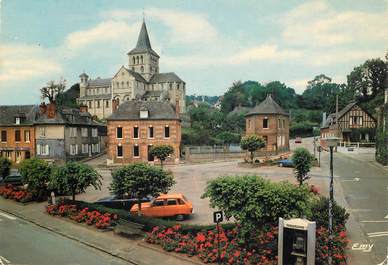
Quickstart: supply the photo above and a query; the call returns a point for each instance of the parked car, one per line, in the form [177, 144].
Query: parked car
[124, 203]
[285, 163]
[166, 205]
[13, 178]
[298, 140]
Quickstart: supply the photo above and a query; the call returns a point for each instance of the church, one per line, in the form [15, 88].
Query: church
[140, 81]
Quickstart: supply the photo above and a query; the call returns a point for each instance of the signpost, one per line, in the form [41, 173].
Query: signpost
[217, 218]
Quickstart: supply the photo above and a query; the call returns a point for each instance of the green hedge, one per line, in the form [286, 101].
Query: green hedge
[382, 136]
[148, 222]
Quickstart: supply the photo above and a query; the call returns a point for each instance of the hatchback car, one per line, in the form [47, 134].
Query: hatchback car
[124, 203]
[298, 140]
[166, 205]
[285, 163]
[14, 178]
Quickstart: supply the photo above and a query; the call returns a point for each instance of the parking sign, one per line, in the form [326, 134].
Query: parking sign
[218, 217]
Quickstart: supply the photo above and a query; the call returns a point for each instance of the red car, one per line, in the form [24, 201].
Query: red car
[298, 140]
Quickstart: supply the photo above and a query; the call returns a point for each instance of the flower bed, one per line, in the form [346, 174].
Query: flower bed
[96, 218]
[15, 193]
[262, 248]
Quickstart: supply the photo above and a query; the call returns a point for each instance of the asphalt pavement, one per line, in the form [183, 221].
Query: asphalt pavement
[24, 243]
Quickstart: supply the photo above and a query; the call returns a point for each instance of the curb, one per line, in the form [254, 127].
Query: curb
[71, 237]
[175, 255]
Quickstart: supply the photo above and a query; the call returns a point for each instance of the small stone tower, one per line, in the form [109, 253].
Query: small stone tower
[83, 84]
[271, 122]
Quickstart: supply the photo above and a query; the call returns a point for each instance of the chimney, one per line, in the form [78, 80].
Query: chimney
[51, 110]
[177, 108]
[83, 108]
[43, 108]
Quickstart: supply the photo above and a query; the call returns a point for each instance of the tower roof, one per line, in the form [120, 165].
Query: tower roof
[268, 106]
[143, 44]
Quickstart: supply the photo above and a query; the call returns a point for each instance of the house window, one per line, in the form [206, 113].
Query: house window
[42, 131]
[265, 138]
[283, 124]
[73, 149]
[150, 132]
[17, 120]
[136, 151]
[43, 149]
[85, 148]
[94, 132]
[27, 136]
[119, 151]
[355, 120]
[265, 123]
[17, 136]
[73, 132]
[119, 133]
[136, 132]
[4, 136]
[84, 132]
[167, 131]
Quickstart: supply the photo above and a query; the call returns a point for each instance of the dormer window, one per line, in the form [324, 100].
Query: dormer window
[143, 113]
[17, 120]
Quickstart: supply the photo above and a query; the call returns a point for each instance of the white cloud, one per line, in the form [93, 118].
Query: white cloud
[106, 31]
[20, 62]
[331, 57]
[316, 24]
[186, 27]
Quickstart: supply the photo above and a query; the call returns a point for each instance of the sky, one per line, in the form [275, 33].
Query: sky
[209, 44]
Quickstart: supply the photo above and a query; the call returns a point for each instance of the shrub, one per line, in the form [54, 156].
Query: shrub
[253, 201]
[5, 166]
[252, 143]
[320, 213]
[161, 152]
[36, 174]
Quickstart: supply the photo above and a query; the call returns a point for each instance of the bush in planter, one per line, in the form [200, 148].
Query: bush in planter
[36, 174]
[320, 210]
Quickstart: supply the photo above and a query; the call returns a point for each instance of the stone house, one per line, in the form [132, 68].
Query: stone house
[67, 134]
[271, 122]
[141, 79]
[17, 139]
[138, 125]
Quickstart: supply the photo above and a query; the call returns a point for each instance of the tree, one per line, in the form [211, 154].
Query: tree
[253, 201]
[161, 152]
[36, 174]
[5, 166]
[141, 180]
[53, 89]
[252, 143]
[302, 160]
[74, 178]
[227, 138]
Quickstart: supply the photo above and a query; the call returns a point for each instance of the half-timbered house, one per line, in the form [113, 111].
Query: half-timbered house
[353, 124]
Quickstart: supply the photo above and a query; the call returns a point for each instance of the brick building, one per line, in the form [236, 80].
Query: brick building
[138, 125]
[17, 140]
[271, 122]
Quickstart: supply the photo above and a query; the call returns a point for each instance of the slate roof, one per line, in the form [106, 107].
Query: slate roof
[268, 106]
[136, 75]
[99, 96]
[157, 110]
[165, 77]
[9, 113]
[156, 93]
[100, 82]
[143, 44]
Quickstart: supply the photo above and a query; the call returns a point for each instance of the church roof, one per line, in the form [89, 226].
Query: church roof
[165, 77]
[143, 44]
[100, 82]
[157, 110]
[268, 106]
[136, 75]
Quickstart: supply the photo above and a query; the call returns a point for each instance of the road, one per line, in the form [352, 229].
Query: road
[24, 243]
[362, 186]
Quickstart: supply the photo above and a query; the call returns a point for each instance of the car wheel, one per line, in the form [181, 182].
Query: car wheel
[180, 217]
[280, 164]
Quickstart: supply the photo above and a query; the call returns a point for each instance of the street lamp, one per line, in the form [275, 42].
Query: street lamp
[331, 142]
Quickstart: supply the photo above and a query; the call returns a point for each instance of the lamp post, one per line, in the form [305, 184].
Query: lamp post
[331, 142]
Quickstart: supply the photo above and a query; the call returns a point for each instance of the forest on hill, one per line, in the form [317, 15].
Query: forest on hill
[209, 125]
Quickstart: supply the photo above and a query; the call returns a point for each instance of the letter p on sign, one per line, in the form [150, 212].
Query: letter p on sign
[218, 217]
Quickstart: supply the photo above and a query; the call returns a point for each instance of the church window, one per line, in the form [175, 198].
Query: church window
[141, 58]
[142, 69]
[137, 59]
[107, 104]
[127, 83]
[98, 104]
[177, 86]
[150, 68]
[90, 104]
[122, 84]
[117, 85]
[170, 86]
[133, 60]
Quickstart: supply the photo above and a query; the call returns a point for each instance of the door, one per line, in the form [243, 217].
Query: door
[150, 157]
[27, 155]
[157, 209]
